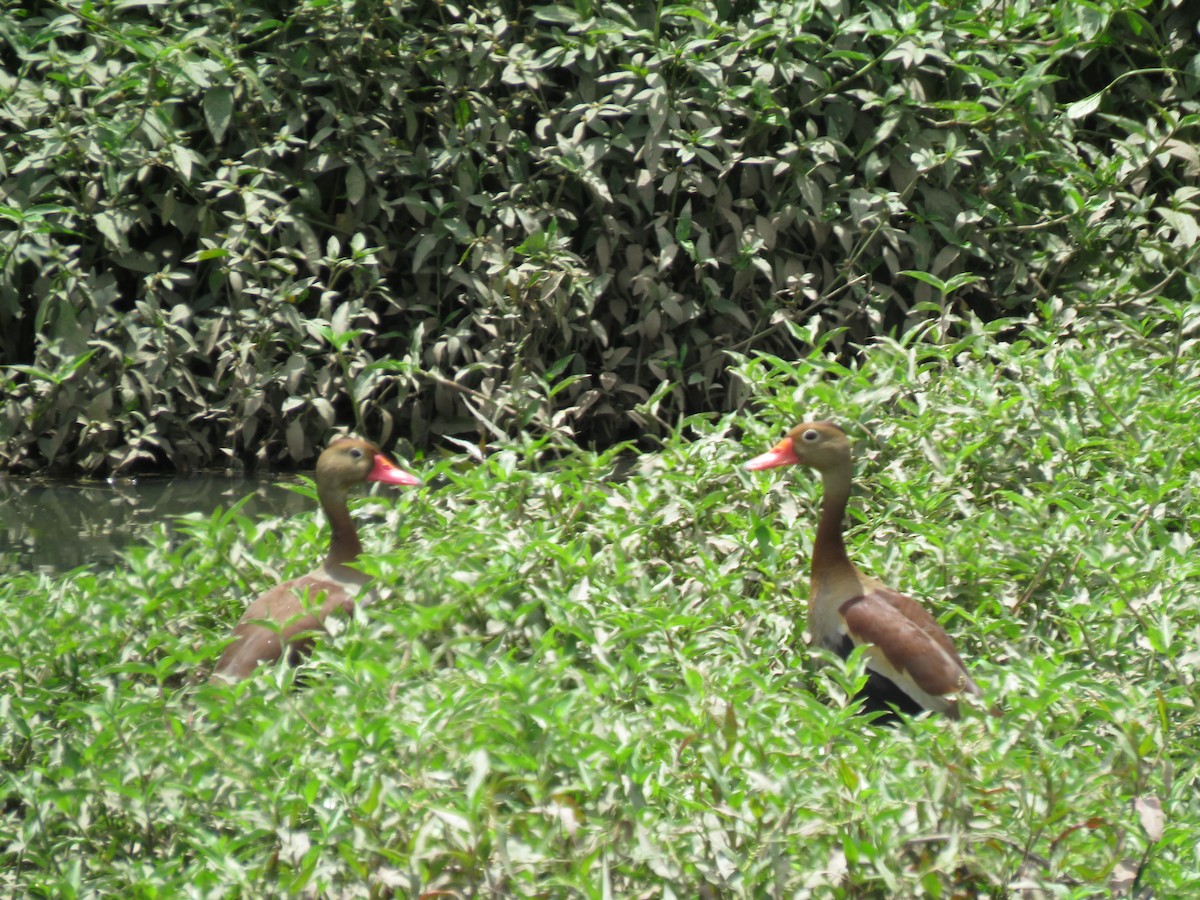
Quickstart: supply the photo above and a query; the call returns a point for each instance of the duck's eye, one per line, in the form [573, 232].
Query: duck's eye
[356, 453]
[811, 435]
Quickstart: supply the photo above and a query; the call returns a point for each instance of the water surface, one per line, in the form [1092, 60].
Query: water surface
[53, 525]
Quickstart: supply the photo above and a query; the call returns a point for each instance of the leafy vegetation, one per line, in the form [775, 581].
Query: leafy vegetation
[231, 227]
[966, 231]
[587, 676]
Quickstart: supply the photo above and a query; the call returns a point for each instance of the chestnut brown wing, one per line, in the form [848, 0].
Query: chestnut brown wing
[282, 617]
[911, 649]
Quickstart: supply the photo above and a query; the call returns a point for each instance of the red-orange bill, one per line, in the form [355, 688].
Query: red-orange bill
[782, 454]
[390, 473]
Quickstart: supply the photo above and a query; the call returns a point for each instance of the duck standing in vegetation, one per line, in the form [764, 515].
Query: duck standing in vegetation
[911, 661]
[288, 614]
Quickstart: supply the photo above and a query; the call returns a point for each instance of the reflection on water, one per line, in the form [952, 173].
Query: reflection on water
[53, 526]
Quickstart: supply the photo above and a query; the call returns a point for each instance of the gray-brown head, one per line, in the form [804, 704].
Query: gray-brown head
[819, 445]
[348, 462]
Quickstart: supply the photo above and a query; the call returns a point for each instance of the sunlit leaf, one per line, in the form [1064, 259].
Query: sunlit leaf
[218, 111]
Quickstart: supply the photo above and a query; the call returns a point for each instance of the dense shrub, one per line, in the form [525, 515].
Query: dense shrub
[581, 686]
[231, 227]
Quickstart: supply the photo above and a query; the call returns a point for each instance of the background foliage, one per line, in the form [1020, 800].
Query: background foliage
[968, 231]
[584, 686]
[227, 228]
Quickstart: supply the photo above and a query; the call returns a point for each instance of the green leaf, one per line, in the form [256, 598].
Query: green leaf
[1081, 109]
[425, 246]
[928, 277]
[356, 184]
[218, 111]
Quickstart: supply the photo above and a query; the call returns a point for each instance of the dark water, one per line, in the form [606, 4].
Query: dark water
[54, 526]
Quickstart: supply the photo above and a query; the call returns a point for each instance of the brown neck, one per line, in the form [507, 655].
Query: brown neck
[343, 540]
[829, 547]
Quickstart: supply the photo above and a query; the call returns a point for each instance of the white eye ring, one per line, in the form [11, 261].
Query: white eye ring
[811, 435]
[355, 452]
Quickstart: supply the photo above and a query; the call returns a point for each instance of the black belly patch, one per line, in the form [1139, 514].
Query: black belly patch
[880, 694]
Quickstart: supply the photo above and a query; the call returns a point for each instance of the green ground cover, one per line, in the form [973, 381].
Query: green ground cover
[588, 674]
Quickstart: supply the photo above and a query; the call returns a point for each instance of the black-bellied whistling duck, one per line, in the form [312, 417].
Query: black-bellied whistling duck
[287, 614]
[911, 661]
